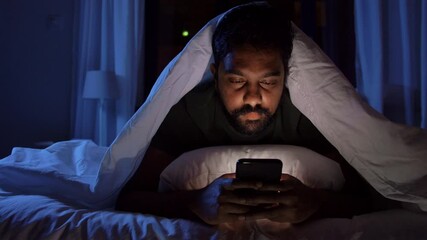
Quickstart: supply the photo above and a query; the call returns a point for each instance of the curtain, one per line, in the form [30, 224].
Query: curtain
[391, 58]
[108, 36]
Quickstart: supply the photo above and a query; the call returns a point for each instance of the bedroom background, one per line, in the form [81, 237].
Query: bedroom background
[44, 57]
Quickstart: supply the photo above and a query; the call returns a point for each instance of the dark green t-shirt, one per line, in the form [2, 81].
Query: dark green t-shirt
[198, 120]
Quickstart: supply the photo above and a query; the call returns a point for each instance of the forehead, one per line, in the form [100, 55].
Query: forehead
[247, 57]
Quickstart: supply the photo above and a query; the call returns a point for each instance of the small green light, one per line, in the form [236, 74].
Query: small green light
[185, 33]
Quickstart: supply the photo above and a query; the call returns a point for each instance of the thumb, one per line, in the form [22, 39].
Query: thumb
[229, 175]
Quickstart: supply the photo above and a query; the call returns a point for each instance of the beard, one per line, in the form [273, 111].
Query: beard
[250, 127]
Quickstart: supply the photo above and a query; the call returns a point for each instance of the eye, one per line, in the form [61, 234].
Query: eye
[268, 82]
[236, 80]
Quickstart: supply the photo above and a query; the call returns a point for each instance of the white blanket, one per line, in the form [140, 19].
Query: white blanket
[82, 175]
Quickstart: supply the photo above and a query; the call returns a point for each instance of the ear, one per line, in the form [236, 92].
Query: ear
[214, 71]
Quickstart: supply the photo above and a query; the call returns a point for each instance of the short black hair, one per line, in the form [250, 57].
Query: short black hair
[256, 24]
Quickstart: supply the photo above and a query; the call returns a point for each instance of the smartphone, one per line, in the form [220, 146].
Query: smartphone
[259, 169]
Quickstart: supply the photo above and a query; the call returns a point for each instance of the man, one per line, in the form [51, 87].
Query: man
[247, 103]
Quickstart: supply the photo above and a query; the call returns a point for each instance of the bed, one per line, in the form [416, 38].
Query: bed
[68, 190]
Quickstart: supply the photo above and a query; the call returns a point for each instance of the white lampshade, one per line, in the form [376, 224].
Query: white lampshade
[100, 85]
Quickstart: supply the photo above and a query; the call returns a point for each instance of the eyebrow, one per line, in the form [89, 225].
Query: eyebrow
[275, 73]
[234, 71]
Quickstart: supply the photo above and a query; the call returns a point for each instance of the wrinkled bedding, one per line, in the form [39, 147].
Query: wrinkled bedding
[40, 217]
[68, 190]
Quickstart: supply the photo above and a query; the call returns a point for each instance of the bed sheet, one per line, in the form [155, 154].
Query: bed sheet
[41, 217]
[32, 209]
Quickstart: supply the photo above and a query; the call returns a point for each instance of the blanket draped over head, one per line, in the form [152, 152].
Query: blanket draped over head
[391, 157]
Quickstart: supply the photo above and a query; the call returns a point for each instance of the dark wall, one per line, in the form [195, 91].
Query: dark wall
[35, 72]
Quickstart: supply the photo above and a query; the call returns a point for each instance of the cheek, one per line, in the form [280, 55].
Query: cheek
[232, 100]
[272, 99]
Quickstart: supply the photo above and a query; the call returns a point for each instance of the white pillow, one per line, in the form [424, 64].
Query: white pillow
[197, 168]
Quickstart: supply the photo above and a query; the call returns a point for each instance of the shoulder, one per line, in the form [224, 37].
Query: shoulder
[200, 104]
[191, 105]
[305, 131]
[182, 129]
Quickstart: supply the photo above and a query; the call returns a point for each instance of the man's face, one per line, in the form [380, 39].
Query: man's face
[250, 83]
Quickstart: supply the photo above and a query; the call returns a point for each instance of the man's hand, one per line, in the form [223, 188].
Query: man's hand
[207, 207]
[228, 200]
[287, 201]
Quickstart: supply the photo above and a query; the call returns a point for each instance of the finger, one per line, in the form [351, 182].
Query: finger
[257, 198]
[282, 214]
[287, 184]
[238, 184]
[280, 198]
[286, 177]
[222, 181]
[229, 175]
[282, 186]
[232, 197]
[232, 217]
[266, 214]
[277, 187]
[231, 208]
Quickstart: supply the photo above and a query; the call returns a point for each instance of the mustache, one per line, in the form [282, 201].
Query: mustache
[248, 109]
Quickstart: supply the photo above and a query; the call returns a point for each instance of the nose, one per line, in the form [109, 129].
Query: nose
[252, 95]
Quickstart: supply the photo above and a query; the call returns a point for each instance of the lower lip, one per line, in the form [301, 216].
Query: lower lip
[252, 116]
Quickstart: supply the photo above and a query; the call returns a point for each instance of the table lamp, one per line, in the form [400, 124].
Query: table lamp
[100, 85]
